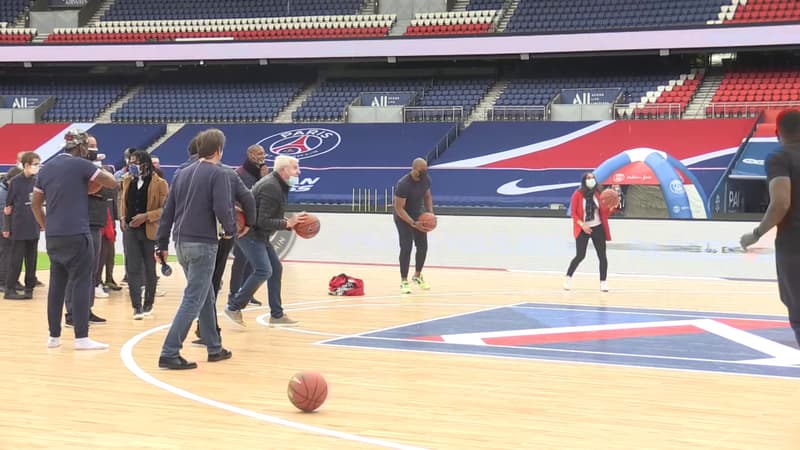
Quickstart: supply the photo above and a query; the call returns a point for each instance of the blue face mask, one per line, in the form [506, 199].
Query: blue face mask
[134, 170]
[293, 180]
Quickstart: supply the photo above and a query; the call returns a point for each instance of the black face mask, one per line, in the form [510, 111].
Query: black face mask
[92, 155]
[422, 173]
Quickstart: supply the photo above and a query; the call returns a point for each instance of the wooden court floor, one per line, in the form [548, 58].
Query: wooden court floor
[118, 399]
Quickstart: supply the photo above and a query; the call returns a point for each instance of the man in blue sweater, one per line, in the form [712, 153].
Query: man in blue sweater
[200, 197]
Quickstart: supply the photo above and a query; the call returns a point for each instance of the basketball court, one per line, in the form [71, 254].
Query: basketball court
[488, 358]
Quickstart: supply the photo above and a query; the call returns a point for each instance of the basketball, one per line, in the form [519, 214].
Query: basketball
[427, 220]
[94, 187]
[240, 219]
[309, 228]
[609, 198]
[307, 391]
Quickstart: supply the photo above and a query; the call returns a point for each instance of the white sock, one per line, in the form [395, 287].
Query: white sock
[53, 342]
[88, 344]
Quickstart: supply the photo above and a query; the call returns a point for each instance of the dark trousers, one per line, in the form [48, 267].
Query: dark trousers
[107, 254]
[409, 236]
[788, 266]
[94, 251]
[140, 264]
[70, 275]
[22, 250]
[598, 238]
[240, 270]
[5, 258]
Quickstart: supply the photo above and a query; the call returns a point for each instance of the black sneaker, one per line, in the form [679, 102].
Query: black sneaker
[14, 295]
[221, 356]
[147, 310]
[111, 285]
[198, 343]
[95, 319]
[28, 294]
[68, 322]
[39, 284]
[138, 313]
[255, 302]
[19, 286]
[176, 363]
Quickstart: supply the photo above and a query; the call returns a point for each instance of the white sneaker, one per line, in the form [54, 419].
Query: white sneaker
[53, 342]
[567, 283]
[604, 286]
[88, 344]
[100, 293]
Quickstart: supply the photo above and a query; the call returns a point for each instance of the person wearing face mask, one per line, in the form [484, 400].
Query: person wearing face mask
[144, 193]
[20, 226]
[253, 169]
[64, 184]
[412, 197]
[97, 214]
[590, 221]
[271, 194]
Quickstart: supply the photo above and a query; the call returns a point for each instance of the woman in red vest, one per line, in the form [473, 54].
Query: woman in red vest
[590, 221]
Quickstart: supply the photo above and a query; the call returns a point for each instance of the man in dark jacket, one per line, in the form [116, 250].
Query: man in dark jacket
[252, 170]
[271, 194]
[5, 244]
[20, 226]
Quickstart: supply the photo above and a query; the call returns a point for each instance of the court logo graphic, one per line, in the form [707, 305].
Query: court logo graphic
[732, 343]
[676, 187]
[301, 143]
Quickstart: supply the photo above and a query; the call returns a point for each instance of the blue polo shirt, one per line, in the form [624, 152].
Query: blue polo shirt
[64, 181]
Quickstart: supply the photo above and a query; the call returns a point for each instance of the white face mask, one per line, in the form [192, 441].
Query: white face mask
[35, 169]
[293, 180]
[591, 183]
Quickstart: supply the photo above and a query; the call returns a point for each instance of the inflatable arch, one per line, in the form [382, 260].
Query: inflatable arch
[682, 192]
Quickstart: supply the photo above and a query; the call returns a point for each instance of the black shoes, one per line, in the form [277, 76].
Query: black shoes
[95, 319]
[14, 295]
[176, 363]
[221, 356]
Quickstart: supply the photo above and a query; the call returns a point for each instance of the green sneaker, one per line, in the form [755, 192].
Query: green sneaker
[405, 288]
[421, 282]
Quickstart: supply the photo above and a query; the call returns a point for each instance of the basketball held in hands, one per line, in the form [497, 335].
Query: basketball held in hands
[427, 221]
[609, 198]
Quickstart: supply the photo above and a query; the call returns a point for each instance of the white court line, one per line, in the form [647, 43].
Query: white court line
[782, 353]
[127, 358]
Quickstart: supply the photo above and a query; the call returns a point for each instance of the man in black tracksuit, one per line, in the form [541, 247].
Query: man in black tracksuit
[21, 228]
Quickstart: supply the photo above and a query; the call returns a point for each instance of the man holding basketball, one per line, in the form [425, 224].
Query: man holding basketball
[783, 178]
[64, 184]
[412, 197]
[271, 194]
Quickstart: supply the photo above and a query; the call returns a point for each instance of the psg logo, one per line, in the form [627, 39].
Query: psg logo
[301, 143]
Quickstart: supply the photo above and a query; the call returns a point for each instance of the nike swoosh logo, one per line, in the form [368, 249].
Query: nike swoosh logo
[513, 188]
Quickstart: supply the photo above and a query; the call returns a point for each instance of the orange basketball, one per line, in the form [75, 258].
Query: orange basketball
[309, 228]
[307, 391]
[609, 198]
[94, 187]
[240, 219]
[427, 220]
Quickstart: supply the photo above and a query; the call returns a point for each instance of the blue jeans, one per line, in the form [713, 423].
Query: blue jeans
[266, 267]
[197, 260]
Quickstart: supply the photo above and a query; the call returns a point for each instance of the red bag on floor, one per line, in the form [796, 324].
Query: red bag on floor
[108, 230]
[344, 284]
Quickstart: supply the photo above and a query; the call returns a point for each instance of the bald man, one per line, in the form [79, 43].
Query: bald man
[412, 197]
[783, 179]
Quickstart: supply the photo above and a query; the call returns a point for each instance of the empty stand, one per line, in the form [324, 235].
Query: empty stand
[656, 95]
[764, 11]
[747, 93]
[16, 35]
[581, 15]
[213, 9]
[454, 22]
[493, 5]
[305, 27]
[206, 101]
[11, 9]
[77, 100]
[329, 101]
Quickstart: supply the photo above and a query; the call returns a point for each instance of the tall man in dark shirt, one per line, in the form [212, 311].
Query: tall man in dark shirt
[783, 177]
[412, 197]
[64, 184]
[200, 197]
[20, 226]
